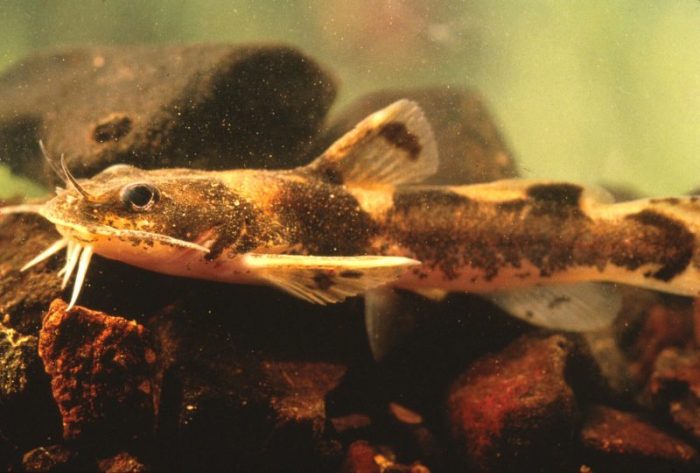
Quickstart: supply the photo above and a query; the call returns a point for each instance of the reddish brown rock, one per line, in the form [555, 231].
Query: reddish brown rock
[621, 441]
[122, 462]
[101, 370]
[362, 457]
[515, 407]
[674, 387]
[300, 389]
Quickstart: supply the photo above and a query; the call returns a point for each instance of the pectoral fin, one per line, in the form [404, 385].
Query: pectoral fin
[580, 307]
[327, 279]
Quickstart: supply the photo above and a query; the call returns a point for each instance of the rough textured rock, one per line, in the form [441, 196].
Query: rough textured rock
[24, 296]
[668, 323]
[622, 441]
[246, 389]
[52, 458]
[23, 388]
[470, 144]
[515, 408]
[158, 106]
[19, 364]
[122, 462]
[101, 370]
[363, 457]
[674, 387]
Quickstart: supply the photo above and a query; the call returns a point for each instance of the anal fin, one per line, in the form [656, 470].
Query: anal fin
[580, 307]
[327, 279]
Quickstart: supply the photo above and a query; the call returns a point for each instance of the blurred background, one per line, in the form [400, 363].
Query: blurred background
[596, 91]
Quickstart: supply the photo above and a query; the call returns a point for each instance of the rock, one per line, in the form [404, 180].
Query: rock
[362, 457]
[52, 458]
[231, 399]
[515, 408]
[674, 387]
[122, 462]
[24, 296]
[443, 338]
[667, 323]
[622, 441]
[101, 370]
[469, 142]
[19, 364]
[24, 388]
[210, 106]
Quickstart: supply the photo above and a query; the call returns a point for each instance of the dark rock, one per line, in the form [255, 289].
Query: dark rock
[515, 408]
[101, 370]
[19, 364]
[236, 403]
[210, 106]
[622, 441]
[122, 462]
[668, 322]
[674, 387]
[445, 336]
[469, 142]
[24, 388]
[24, 296]
[52, 458]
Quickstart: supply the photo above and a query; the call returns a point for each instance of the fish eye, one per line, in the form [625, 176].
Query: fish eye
[140, 197]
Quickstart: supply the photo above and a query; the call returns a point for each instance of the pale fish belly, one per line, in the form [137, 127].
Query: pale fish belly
[476, 280]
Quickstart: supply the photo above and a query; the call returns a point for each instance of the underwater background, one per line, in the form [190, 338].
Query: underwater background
[601, 91]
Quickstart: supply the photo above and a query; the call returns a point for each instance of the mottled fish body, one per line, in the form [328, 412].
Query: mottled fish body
[357, 220]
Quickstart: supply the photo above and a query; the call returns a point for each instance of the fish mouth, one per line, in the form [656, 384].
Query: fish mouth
[79, 242]
[87, 235]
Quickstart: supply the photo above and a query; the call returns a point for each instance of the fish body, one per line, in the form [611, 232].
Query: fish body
[358, 218]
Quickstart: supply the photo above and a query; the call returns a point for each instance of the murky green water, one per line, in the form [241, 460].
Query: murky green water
[597, 91]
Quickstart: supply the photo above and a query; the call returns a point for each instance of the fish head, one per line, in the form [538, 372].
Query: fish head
[136, 215]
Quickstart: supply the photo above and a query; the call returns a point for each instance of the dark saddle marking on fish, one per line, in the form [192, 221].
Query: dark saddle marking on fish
[676, 239]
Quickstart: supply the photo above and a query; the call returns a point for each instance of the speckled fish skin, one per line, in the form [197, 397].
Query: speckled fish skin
[357, 218]
[468, 238]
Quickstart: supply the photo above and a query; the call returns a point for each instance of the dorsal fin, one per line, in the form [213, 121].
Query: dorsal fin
[392, 146]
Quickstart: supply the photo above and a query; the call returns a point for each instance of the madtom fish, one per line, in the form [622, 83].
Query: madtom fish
[357, 221]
